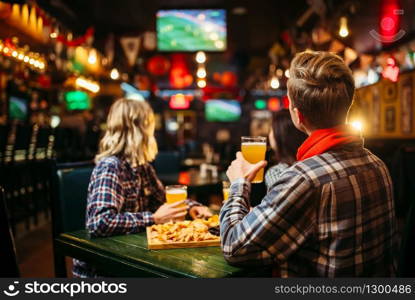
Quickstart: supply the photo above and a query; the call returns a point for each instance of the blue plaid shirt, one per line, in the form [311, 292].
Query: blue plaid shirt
[121, 200]
[330, 215]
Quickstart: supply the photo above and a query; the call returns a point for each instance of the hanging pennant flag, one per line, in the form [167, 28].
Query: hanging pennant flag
[109, 48]
[131, 46]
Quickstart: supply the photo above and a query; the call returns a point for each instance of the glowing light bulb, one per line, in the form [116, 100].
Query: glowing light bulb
[55, 121]
[358, 125]
[201, 72]
[344, 30]
[114, 74]
[200, 57]
[26, 59]
[287, 73]
[275, 83]
[53, 35]
[92, 57]
[201, 83]
[14, 53]
[20, 56]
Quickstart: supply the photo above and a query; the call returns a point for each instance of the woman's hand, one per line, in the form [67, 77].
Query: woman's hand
[199, 212]
[170, 212]
[240, 168]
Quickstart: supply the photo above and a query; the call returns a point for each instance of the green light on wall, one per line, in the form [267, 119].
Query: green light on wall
[77, 100]
[260, 104]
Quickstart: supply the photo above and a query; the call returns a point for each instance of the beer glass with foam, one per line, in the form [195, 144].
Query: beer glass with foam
[253, 149]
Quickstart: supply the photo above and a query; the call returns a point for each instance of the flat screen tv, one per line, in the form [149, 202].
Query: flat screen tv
[218, 110]
[77, 100]
[18, 108]
[191, 30]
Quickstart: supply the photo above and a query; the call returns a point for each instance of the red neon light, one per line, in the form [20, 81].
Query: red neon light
[184, 178]
[391, 71]
[274, 104]
[179, 101]
[389, 22]
[285, 102]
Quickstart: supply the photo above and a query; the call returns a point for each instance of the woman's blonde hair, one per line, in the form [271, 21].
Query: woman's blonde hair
[130, 133]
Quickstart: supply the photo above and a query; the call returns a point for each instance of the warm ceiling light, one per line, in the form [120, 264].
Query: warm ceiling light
[358, 125]
[344, 30]
[92, 57]
[201, 72]
[275, 83]
[114, 74]
[201, 83]
[201, 57]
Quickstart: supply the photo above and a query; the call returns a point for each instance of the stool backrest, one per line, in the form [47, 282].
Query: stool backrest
[8, 259]
[70, 190]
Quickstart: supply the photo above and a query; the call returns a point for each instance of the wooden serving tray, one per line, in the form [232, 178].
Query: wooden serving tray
[151, 244]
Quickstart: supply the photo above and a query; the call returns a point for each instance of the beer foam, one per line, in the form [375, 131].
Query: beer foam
[176, 191]
[254, 144]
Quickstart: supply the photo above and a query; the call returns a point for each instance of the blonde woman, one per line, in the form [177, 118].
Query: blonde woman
[124, 193]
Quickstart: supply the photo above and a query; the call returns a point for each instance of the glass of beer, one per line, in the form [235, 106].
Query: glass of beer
[176, 193]
[253, 149]
[225, 188]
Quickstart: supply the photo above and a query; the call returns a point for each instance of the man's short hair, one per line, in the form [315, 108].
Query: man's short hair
[321, 87]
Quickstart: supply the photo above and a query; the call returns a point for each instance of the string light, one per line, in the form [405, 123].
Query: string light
[33, 59]
[274, 83]
[201, 72]
[287, 73]
[114, 74]
[201, 83]
[344, 30]
[200, 57]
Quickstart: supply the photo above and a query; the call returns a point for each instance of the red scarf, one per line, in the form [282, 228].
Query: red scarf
[322, 140]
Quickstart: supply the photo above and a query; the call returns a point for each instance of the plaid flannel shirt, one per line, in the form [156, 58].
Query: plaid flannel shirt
[330, 215]
[121, 200]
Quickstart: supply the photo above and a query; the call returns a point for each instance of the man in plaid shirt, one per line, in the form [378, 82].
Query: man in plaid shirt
[331, 214]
